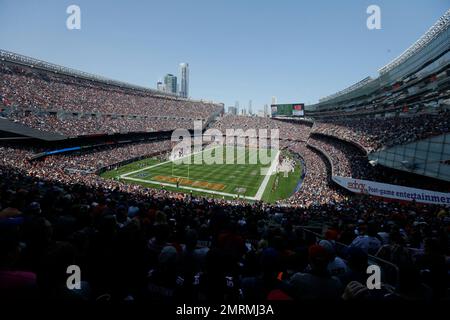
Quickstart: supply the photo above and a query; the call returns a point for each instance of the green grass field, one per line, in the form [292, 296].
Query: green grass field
[244, 177]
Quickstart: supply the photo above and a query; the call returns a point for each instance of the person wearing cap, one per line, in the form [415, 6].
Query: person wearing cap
[368, 241]
[336, 266]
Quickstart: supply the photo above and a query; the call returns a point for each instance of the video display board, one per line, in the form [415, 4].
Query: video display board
[288, 110]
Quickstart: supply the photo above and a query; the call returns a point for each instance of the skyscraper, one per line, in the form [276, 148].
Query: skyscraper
[184, 78]
[274, 100]
[159, 86]
[170, 83]
[250, 109]
[232, 110]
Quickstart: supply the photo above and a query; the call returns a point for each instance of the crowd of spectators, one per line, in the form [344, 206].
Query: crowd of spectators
[371, 134]
[374, 134]
[81, 167]
[132, 246]
[347, 160]
[287, 130]
[101, 157]
[316, 188]
[78, 126]
[38, 91]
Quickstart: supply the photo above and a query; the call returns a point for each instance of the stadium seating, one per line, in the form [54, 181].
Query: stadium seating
[347, 160]
[73, 106]
[373, 134]
[287, 130]
[75, 126]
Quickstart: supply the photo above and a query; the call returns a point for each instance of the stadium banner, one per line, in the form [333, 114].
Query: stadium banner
[392, 191]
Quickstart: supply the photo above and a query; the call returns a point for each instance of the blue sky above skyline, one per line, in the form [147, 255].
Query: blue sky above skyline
[238, 50]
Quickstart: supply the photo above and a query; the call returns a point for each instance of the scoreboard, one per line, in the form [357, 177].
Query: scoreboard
[288, 110]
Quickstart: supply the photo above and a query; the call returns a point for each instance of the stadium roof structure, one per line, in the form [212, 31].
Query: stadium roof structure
[22, 131]
[434, 32]
[440, 26]
[355, 86]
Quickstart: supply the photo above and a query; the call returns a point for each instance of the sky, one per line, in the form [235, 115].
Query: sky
[238, 50]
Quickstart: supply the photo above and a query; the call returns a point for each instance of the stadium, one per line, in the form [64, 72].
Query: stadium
[94, 174]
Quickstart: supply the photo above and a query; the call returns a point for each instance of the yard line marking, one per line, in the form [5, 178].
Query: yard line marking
[239, 180]
[263, 185]
[206, 177]
[158, 164]
[213, 172]
[258, 195]
[191, 188]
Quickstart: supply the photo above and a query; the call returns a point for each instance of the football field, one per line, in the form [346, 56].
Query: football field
[240, 172]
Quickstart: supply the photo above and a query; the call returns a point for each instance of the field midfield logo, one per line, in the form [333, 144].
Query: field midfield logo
[73, 21]
[374, 20]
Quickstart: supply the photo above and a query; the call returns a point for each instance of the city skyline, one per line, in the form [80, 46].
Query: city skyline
[171, 85]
